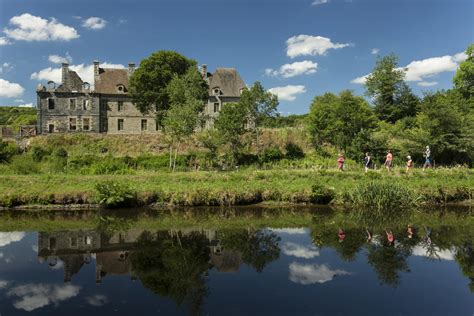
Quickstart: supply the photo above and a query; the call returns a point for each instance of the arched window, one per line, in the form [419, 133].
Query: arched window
[120, 88]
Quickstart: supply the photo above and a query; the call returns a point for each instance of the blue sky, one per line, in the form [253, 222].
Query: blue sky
[296, 48]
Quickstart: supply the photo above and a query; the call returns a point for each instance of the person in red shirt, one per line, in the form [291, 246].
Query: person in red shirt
[388, 160]
[341, 235]
[340, 162]
[390, 237]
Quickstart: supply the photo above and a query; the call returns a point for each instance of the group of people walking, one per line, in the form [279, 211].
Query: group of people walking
[410, 233]
[388, 164]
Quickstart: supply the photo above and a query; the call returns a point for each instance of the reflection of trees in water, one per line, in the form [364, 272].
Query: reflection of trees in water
[388, 261]
[465, 258]
[173, 265]
[258, 247]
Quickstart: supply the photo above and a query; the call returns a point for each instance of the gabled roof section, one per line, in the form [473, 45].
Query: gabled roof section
[228, 81]
[109, 80]
[74, 83]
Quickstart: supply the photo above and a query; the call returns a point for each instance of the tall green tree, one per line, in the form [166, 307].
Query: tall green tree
[230, 125]
[148, 83]
[391, 97]
[186, 94]
[464, 78]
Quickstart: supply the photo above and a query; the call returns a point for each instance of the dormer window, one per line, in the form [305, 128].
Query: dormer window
[120, 88]
[86, 86]
[216, 91]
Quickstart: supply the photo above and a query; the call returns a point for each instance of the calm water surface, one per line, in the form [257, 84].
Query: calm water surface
[284, 271]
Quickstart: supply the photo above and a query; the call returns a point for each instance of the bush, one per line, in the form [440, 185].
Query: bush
[112, 194]
[60, 153]
[293, 151]
[24, 164]
[7, 151]
[382, 196]
[271, 154]
[38, 153]
[321, 194]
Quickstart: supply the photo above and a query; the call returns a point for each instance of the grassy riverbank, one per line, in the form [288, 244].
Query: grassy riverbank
[233, 188]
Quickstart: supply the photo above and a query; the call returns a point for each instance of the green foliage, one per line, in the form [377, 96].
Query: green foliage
[339, 119]
[270, 154]
[464, 78]
[112, 194]
[321, 194]
[293, 151]
[392, 98]
[292, 120]
[7, 151]
[24, 165]
[149, 82]
[14, 116]
[382, 196]
[259, 103]
[38, 153]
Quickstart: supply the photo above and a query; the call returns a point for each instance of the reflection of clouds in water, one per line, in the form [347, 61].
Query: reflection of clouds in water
[58, 265]
[299, 251]
[6, 259]
[97, 300]
[3, 284]
[435, 253]
[33, 296]
[289, 231]
[8, 238]
[34, 248]
[312, 273]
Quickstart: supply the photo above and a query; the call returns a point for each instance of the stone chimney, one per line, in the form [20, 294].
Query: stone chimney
[96, 72]
[64, 73]
[131, 68]
[204, 71]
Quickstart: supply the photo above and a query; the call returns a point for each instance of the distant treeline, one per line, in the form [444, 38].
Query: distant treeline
[15, 116]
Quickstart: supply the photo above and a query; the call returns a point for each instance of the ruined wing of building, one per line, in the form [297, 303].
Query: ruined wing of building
[75, 106]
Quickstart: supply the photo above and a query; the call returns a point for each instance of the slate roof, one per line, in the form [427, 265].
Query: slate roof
[110, 78]
[74, 83]
[227, 80]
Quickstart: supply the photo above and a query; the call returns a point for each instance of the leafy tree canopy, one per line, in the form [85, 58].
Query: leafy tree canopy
[464, 78]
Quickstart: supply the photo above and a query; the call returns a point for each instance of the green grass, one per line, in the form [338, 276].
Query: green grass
[231, 188]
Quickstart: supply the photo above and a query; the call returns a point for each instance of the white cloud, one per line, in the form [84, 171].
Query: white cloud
[26, 105]
[3, 284]
[312, 273]
[298, 68]
[445, 254]
[34, 248]
[4, 41]
[301, 45]
[288, 93]
[8, 238]
[299, 251]
[34, 296]
[27, 27]
[318, 2]
[427, 83]
[420, 70]
[94, 23]
[375, 51]
[9, 89]
[5, 67]
[290, 231]
[86, 72]
[56, 59]
[97, 300]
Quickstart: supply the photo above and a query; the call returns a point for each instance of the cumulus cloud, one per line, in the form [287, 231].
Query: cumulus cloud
[56, 59]
[5, 67]
[10, 89]
[288, 93]
[375, 51]
[420, 70]
[8, 238]
[97, 300]
[299, 251]
[427, 83]
[26, 105]
[312, 273]
[318, 2]
[3, 284]
[86, 72]
[33, 296]
[436, 253]
[289, 231]
[4, 41]
[304, 45]
[27, 27]
[298, 68]
[94, 23]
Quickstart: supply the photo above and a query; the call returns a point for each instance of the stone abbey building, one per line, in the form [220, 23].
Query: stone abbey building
[76, 106]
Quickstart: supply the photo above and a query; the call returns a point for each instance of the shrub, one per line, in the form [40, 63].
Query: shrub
[38, 153]
[60, 153]
[381, 196]
[321, 194]
[271, 154]
[112, 194]
[7, 150]
[24, 164]
[293, 151]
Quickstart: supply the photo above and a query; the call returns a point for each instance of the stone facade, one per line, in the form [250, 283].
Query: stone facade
[106, 107]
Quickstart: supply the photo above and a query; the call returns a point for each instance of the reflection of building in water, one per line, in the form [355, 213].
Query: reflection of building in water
[112, 252]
